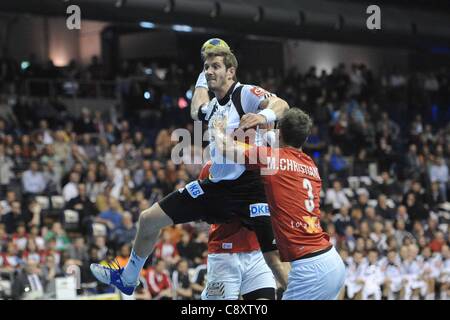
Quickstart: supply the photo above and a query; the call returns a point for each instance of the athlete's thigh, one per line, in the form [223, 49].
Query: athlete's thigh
[196, 201]
[223, 277]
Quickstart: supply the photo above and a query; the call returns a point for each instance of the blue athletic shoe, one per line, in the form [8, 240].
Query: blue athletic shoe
[112, 276]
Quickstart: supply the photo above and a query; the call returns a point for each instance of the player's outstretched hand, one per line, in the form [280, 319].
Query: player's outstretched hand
[250, 120]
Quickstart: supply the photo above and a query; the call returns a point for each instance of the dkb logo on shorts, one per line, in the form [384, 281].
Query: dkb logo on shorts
[194, 189]
[259, 209]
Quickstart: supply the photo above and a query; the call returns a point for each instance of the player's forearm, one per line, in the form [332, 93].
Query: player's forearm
[278, 268]
[277, 105]
[199, 99]
[200, 96]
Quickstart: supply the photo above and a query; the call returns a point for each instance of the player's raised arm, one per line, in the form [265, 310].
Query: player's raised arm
[200, 98]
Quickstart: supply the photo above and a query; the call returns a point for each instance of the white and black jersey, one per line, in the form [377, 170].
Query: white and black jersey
[240, 99]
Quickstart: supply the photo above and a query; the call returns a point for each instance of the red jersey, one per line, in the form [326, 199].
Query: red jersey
[157, 281]
[229, 237]
[165, 250]
[293, 194]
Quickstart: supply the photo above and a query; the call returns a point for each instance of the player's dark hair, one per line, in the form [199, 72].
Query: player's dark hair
[295, 127]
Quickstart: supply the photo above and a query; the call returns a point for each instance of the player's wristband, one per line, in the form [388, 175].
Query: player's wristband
[201, 81]
[269, 115]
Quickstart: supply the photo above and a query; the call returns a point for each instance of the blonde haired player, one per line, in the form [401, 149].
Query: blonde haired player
[236, 265]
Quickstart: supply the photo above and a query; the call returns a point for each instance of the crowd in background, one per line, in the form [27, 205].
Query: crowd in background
[72, 186]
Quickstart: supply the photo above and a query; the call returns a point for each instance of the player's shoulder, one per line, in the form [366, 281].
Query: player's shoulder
[299, 155]
[254, 90]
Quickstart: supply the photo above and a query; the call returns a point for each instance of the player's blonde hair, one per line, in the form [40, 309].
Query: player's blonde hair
[229, 59]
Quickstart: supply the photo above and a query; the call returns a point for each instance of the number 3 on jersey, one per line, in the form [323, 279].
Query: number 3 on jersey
[309, 203]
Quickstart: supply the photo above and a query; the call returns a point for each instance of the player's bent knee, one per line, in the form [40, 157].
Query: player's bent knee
[154, 218]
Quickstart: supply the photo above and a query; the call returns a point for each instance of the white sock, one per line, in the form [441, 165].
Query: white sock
[133, 268]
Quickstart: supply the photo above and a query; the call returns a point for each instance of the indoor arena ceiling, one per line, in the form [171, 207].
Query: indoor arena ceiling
[281, 18]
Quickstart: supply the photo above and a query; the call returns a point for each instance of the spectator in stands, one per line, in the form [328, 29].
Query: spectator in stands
[361, 164]
[199, 281]
[6, 204]
[19, 238]
[186, 248]
[4, 238]
[87, 278]
[84, 124]
[158, 281]
[416, 211]
[50, 271]
[389, 186]
[354, 282]
[401, 233]
[31, 252]
[402, 214]
[338, 164]
[29, 283]
[85, 207]
[438, 242]
[372, 277]
[393, 279]
[370, 217]
[439, 173]
[123, 254]
[379, 237]
[349, 238]
[15, 217]
[336, 196]
[315, 142]
[101, 248]
[412, 167]
[200, 246]
[383, 210]
[59, 235]
[33, 180]
[6, 170]
[181, 281]
[93, 186]
[112, 217]
[78, 250]
[362, 201]
[363, 232]
[434, 196]
[70, 190]
[342, 220]
[166, 250]
[126, 232]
